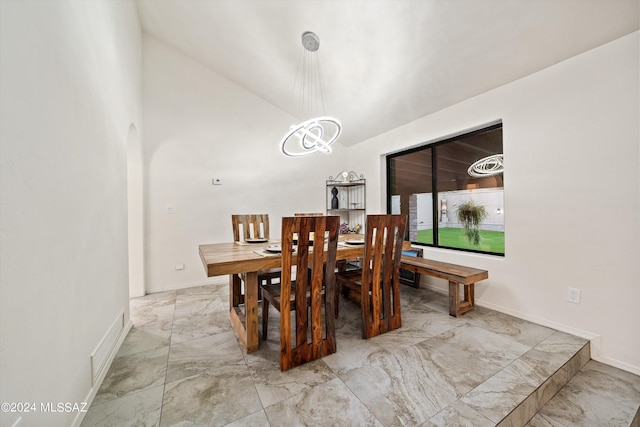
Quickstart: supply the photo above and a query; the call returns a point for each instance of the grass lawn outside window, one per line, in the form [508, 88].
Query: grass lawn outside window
[490, 241]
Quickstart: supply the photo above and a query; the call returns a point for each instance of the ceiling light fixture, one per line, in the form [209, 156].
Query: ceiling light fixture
[488, 166]
[316, 134]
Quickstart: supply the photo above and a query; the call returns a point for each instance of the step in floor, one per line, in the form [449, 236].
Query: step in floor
[515, 393]
[598, 395]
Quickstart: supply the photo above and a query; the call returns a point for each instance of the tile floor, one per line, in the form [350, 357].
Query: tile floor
[181, 365]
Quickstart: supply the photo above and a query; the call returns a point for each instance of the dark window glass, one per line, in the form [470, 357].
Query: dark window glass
[411, 183]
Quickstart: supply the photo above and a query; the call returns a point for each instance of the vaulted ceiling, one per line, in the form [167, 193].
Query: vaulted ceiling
[385, 63]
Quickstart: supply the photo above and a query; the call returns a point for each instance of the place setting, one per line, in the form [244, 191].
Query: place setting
[352, 242]
[270, 250]
[257, 240]
[252, 241]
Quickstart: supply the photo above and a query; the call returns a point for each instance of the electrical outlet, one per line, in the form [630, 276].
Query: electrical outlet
[573, 295]
[216, 181]
[180, 266]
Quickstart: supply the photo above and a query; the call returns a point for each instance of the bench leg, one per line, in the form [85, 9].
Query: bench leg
[457, 307]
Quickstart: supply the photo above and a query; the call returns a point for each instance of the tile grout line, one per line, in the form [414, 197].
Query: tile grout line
[245, 357]
[164, 383]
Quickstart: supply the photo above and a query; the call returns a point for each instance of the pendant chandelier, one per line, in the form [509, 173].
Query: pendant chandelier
[318, 133]
[488, 166]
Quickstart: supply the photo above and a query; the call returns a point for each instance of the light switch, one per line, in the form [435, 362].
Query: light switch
[216, 181]
[169, 209]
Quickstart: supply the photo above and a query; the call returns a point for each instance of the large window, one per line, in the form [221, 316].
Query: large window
[449, 203]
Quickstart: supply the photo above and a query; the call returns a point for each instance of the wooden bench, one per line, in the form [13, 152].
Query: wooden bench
[455, 274]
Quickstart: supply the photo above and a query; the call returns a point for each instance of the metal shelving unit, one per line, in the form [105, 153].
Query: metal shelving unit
[349, 201]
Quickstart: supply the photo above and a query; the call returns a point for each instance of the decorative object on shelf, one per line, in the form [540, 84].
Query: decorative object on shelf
[346, 198]
[334, 199]
[346, 177]
[316, 134]
[488, 166]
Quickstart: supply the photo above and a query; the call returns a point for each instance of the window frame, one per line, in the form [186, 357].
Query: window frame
[434, 181]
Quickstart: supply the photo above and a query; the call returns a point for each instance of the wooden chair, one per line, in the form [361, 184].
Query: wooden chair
[340, 265]
[376, 287]
[250, 227]
[310, 295]
[253, 226]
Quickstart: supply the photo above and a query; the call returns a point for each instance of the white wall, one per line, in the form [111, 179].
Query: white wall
[70, 85]
[135, 202]
[572, 195]
[491, 198]
[424, 211]
[200, 126]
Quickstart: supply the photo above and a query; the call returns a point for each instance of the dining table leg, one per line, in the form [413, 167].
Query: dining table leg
[251, 308]
[245, 322]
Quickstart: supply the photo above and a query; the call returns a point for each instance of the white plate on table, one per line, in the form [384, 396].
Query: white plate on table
[257, 240]
[354, 241]
[276, 249]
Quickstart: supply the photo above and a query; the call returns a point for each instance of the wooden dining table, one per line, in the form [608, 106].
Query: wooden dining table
[234, 258]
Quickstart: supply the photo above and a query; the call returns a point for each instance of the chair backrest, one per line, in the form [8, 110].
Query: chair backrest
[250, 226]
[381, 273]
[311, 279]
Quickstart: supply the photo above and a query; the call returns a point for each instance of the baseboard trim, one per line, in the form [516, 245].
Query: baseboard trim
[106, 347]
[213, 281]
[617, 364]
[98, 382]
